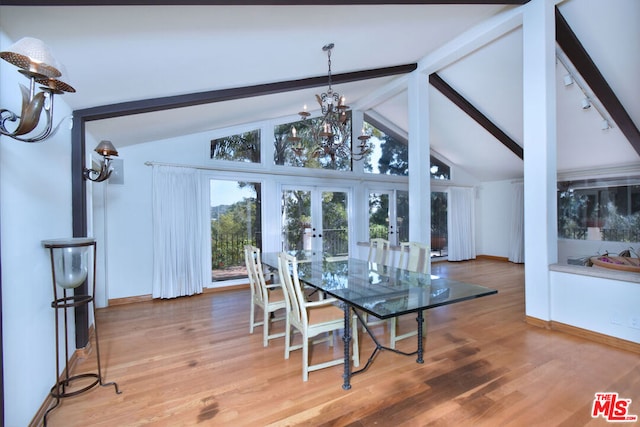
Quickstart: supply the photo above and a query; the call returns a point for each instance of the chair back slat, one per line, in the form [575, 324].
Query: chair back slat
[414, 256]
[294, 295]
[255, 273]
[379, 251]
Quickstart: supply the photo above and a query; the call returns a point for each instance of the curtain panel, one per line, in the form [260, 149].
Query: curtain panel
[461, 224]
[516, 234]
[179, 255]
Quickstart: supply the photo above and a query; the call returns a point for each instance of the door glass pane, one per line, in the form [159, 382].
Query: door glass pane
[402, 215]
[296, 220]
[335, 229]
[438, 224]
[378, 215]
[235, 222]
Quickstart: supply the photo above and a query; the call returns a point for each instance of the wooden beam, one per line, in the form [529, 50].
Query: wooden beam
[577, 54]
[462, 103]
[178, 101]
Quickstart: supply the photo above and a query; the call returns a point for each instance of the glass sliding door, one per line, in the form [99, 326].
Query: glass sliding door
[315, 219]
[235, 222]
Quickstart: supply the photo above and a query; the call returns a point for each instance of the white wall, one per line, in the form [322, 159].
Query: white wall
[494, 213]
[606, 306]
[35, 204]
[129, 244]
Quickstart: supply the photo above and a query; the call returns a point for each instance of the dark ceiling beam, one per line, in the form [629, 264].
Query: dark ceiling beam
[571, 46]
[188, 100]
[462, 103]
[247, 2]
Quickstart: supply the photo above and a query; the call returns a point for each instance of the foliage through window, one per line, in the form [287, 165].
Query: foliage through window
[390, 155]
[243, 147]
[235, 222]
[599, 211]
[439, 169]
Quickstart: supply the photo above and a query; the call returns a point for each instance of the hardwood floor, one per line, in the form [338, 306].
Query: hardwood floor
[191, 361]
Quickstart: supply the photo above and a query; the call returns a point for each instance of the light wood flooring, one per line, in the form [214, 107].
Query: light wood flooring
[192, 362]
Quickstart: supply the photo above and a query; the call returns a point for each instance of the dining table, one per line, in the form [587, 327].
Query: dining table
[379, 290]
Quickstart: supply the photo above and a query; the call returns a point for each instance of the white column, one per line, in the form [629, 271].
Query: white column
[539, 111]
[419, 160]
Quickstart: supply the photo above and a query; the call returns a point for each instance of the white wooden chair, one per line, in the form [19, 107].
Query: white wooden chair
[270, 298]
[414, 256]
[310, 318]
[379, 251]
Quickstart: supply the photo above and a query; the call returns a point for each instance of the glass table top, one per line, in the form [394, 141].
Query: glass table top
[382, 291]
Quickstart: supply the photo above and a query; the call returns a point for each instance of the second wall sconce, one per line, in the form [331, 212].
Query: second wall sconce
[106, 150]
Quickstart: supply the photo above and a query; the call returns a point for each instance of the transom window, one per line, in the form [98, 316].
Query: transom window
[242, 147]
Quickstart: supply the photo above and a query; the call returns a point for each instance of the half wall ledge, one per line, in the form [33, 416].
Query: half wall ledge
[603, 273]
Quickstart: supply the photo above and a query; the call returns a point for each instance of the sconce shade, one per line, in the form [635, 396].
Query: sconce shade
[106, 148]
[32, 55]
[70, 258]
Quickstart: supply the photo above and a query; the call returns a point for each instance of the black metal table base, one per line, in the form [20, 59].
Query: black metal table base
[346, 376]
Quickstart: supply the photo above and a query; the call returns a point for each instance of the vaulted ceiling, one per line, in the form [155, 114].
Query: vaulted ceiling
[119, 57]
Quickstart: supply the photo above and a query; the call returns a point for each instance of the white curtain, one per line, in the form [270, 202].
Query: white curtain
[461, 224]
[178, 232]
[516, 232]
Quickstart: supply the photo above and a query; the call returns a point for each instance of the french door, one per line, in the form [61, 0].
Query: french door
[315, 219]
[389, 215]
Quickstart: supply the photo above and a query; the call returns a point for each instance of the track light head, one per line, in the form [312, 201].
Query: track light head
[568, 80]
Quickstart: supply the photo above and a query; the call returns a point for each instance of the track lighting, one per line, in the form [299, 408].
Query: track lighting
[589, 99]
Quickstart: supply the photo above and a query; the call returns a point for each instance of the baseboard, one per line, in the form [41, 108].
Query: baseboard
[149, 297]
[586, 334]
[493, 258]
[129, 300]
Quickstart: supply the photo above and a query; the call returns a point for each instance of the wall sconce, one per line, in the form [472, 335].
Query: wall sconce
[106, 150]
[36, 62]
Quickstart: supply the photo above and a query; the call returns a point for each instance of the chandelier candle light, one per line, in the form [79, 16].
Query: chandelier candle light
[331, 133]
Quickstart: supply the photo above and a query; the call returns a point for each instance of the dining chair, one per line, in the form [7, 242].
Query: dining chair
[414, 256]
[379, 251]
[310, 318]
[270, 298]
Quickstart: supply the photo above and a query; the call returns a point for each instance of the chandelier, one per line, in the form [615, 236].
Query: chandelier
[330, 133]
